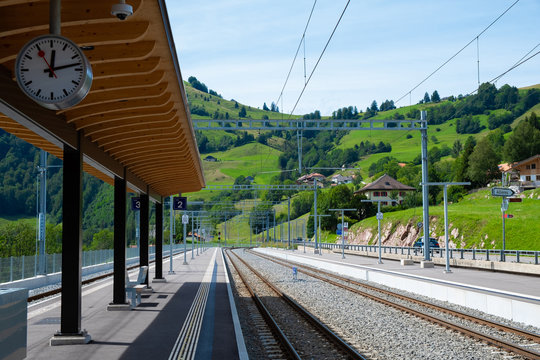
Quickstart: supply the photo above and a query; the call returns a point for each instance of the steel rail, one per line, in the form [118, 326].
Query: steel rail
[322, 328]
[529, 354]
[265, 313]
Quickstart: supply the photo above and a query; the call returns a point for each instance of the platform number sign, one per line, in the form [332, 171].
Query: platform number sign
[179, 203]
[135, 203]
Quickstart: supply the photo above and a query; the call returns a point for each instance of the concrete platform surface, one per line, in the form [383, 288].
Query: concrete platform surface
[151, 330]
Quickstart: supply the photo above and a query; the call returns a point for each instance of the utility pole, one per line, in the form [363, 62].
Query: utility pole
[446, 184]
[425, 186]
[315, 213]
[379, 218]
[289, 219]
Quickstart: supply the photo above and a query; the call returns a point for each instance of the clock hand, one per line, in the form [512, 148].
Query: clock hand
[41, 54]
[53, 55]
[62, 67]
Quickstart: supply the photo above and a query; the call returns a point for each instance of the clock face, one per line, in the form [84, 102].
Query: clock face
[53, 71]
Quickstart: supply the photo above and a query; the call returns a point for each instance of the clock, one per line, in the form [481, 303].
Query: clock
[53, 71]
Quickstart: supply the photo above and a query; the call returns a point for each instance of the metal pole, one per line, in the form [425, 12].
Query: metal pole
[193, 243]
[320, 250]
[42, 210]
[171, 236]
[55, 17]
[425, 186]
[289, 219]
[503, 255]
[185, 246]
[274, 225]
[379, 226]
[446, 230]
[315, 213]
[342, 235]
[250, 231]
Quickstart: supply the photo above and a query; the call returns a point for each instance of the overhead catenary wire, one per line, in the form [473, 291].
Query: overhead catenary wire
[457, 53]
[320, 57]
[518, 63]
[302, 40]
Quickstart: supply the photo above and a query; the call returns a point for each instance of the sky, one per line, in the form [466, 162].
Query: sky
[382, 49]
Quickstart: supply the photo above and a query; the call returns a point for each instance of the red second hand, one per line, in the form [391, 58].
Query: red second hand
[41, 54]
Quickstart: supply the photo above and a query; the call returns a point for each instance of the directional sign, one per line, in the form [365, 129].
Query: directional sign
[135, 203]
[504, 205]
[339, 226]
[515, 199]
[338, 232]
[179, 203]
[379, 216]
[508, 216]
[498, 191]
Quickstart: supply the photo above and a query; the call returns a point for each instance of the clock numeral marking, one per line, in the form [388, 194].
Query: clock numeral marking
[24, 69]
[51, 43]
[38, 92]
[75, 82]
[37, 46]
[65, 92]
[75, 56]
[64, 48]
[28, 57]
[52, 95]
[27, 83]
[78, 69]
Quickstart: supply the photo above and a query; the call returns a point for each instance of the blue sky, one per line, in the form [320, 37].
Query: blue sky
[243, 49]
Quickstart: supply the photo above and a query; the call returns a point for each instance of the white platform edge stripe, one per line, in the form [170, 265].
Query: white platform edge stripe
[242, 351]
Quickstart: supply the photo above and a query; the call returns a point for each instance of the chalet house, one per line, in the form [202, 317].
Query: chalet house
[382, 188]
[309, 178]
[339, 179]
[210, 158]
[529, 172]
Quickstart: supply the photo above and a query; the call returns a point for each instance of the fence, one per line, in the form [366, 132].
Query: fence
[523, 256]
[23, 267]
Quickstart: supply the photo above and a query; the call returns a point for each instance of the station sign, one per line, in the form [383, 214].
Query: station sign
[135, 203]
[499, 191]
[515, 199]
[179, 203]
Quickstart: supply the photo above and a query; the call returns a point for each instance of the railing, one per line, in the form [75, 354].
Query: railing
[519, 256]
[23, 267]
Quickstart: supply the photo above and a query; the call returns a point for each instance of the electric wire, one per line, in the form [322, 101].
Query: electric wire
[302, 39]
[320, 57]
[518, 63]
[457, 53]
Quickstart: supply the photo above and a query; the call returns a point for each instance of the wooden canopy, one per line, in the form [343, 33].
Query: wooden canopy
[135, 122]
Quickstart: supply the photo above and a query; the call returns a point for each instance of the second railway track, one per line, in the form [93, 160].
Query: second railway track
[385, 297]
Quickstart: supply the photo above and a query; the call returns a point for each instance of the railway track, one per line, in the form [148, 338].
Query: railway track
[300, 333]
[385, 298]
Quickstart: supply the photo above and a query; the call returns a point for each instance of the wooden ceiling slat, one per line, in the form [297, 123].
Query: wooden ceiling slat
[129, 81]
[139, 134]
[125, 68]
[116, 95]
[91, 34]
[21, 17]
[118, 106]
[142, 143]
[119, 118]
[159, 121]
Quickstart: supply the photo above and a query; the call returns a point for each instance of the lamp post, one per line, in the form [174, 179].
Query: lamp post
[342, 229]
[445, 184]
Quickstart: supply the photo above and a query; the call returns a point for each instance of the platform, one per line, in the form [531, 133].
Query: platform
[164, 326]
[511, 296]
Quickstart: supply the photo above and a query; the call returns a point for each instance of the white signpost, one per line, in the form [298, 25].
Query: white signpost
[500, 191]
[185, 220]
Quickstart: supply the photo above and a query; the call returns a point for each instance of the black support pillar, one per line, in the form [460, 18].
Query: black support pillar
[119, 281]
[70, 322]
[159, 240]
[144, 226]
